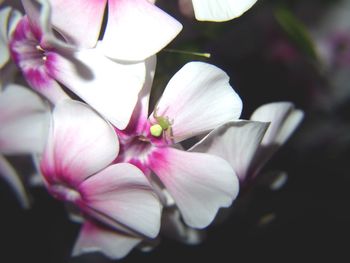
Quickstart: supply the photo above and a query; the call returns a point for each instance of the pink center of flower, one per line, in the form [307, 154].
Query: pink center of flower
[29, 53]
[139, 147]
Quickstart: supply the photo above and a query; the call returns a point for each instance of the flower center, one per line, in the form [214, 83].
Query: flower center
[26, 49]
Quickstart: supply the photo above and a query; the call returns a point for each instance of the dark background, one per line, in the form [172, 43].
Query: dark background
[310, 214]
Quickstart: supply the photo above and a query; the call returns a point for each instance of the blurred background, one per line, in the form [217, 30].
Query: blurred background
[296, 51]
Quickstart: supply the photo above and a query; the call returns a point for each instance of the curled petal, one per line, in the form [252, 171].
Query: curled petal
[236, 142]
[198, 99]
[284, 120]
[220, 10]
[97, 238]
[111, 88]
[80, 143]
[137, 29]
[123, 193]
[199, 183]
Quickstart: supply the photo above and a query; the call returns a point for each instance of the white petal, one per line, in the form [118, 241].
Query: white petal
[109, 87]
[95, 238]
[137, 29]
[9, 18]
[39, 14]
[4, 51]
[140, 113]
[290, 124]
[79, 21]
[199, 183]
[80, 143]
[123, 193]
[198, 99]
[284, 119]
[236, 142]
[220, 10]
[8, 173]
[278, 113]
[26, 134]
[24, 121]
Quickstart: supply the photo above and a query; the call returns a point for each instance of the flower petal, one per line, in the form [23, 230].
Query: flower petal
[8, 173]
[123, 193]
[219, 11]
[80, 144]
[9, 18]
[24, 121]
[79, 21]
[236, 142]
[139, 117]
[199, 183]
[39, 14]
[4, 51]
[96, 238]
[109, 87]
[284, 120]
[198, 99]
[281, 127]
[137, 29]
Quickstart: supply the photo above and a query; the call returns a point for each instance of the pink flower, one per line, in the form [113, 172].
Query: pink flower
[47, 61]
[117, 200]
[196, 100]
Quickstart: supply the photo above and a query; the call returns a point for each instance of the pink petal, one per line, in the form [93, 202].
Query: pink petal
[198, 99]
[123, 193]
[137, 29]
[199, 183]
[80, 144]
[236, 142]
[109, 87]
[79, 21]
[96, 238]
[8, 173]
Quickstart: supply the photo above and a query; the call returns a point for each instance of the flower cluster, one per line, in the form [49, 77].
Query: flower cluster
[86, 121]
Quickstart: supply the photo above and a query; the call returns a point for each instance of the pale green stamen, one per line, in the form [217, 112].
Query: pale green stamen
[156, 130]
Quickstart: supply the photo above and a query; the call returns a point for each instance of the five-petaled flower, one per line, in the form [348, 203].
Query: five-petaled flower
[197, 99]
[117, 200]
